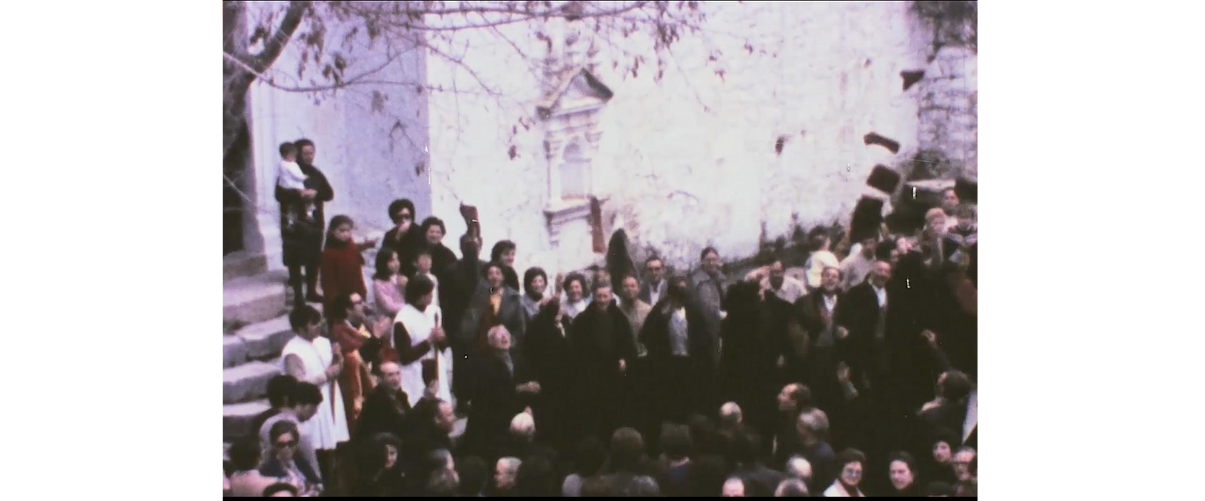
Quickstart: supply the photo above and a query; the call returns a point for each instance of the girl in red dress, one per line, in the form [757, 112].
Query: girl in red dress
[342, 270]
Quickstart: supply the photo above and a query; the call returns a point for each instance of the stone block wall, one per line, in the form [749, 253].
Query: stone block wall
[949, 123]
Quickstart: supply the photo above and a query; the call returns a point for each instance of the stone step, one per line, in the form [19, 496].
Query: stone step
[253, 299]
[248, 381]
[259, 341]
[236, 418]
[243, 264]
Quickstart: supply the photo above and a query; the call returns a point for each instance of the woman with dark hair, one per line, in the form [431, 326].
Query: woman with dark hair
[902, 471]
[388, 282]
[535, 283]
[381, 475]
[548, 354]
[575, 300]
[504, 252]
[342, 263]
[285, 463]
[405, 237]
[247, 481]
[443, 260]
[853, 463]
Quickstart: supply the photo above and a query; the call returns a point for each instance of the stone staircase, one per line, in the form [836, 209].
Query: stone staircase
[255, 313]
[256, 328]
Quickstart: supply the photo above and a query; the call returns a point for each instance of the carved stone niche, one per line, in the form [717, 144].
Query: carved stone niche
[571, 135]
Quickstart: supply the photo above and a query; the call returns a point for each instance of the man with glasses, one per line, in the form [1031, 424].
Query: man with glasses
[654, 288]
[350, 331]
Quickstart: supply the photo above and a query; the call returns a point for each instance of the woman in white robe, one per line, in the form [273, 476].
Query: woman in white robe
[418, 336]
[310, 357]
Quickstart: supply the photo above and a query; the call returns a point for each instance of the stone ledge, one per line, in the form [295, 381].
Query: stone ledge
[248, 381]
[236, 418]
[254, 299]
[234, 351]
[265, 339]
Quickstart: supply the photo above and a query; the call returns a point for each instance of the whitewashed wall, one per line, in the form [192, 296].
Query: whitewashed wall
[370, 154]
[690, 159]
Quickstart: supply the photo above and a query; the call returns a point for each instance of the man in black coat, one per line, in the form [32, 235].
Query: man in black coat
[550, 361]
[754, 335]
[863, 323]
[386, 407]
[817, 314]
[679, 344]
[467, 281]
[602, 345]
[496, 397]
[301, 241]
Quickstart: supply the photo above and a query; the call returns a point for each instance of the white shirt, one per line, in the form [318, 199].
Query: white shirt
[655, 292]
[882, 295]
[791, 289]
[678, 333]
[830, 303]
[291, 177]
[572, 309]
[838, 491]
[854, 269]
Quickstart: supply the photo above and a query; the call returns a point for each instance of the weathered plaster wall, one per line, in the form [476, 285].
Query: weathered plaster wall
[472, 130]
[691, 160]
[949, 114]
[370, 138]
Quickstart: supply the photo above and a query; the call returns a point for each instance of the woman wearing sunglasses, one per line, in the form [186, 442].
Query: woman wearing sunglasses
[284, 462]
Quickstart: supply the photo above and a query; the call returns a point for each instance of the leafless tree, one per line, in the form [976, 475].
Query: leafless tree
[251, 49]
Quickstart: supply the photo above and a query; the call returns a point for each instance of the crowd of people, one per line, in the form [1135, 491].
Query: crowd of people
[854, 379]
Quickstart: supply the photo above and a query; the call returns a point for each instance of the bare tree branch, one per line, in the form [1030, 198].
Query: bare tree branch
[280, 38]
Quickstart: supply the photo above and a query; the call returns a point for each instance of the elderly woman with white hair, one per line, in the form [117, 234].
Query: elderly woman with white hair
[496, 396]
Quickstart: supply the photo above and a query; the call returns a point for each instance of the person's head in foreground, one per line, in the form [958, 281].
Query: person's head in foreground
[853, 463]
[734, 487]
[962, 464]
[901, 468]
[504, 473]
[280, 491]
[791, 488]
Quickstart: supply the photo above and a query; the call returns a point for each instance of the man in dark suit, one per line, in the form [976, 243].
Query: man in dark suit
[817, 313]
[302, 243]
[496, 397]
[654, 287]
[385, 408]
[679, 346]
[551, 364]
[753, 338]
[862, 326]
[602, 346]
